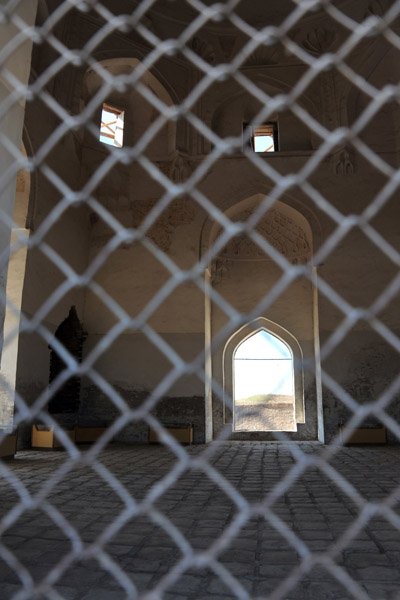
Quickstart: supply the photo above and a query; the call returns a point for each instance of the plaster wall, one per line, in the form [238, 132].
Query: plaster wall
[166, 315]
[244, 286]
[133, 275]
[59, 246]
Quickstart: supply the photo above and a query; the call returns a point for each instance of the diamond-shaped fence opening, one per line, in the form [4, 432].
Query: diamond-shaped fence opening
[199, 286]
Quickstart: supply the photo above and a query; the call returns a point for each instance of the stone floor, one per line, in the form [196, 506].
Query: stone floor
[313, 509]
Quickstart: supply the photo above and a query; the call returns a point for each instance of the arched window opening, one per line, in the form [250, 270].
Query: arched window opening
[112, 126]
[263, 383]
[127, 113]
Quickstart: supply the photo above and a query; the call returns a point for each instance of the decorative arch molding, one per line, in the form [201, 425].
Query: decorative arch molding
[285, 234]
[368, 64]
[305, 229]
[293, 332]
[244, 333]
[123, 66]
[136, 56]
[381, 134]
[237, 106]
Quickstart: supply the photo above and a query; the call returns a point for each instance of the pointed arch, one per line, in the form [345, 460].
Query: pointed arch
[243, 334]
[242, 273]
[288, 207]
[263, 384]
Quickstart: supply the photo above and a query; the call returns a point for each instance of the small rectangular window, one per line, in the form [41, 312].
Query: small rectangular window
[263, 138]
[112, 125]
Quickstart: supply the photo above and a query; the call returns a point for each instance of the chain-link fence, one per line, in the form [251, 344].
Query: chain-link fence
[199, 243]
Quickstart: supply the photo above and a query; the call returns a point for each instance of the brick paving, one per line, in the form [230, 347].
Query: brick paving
[260, 558]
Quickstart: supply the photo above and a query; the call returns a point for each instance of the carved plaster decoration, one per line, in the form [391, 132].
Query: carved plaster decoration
[324, 96]
[179, 212]
[330, 108]
[227, 43]
[279, 230]
[115, 204]
[219, 270]
[149, 24]
[164, 166]
[180, 169]
[132, 213]
[116, 179]
[376, 8]
[319, 41]
[93, 219]
[203, 49]
[263, 56]
[344, 163]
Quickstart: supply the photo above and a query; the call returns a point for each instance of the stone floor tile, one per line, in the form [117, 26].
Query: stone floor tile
[240, 569]
[189, 584]
[9, 589]
[275, 571]
[327, 590]
[140, 565]
[260, 557]
[264, 587]
[240, 556]
[367, 559]
[280, 557]
[377, 573]
[102, 594]
[68, 593]
[82, 575]
[217, 586]
[382, 591]
[362, 546]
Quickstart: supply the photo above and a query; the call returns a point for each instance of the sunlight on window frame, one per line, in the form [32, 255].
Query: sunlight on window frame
[264, 138]
[112, 125]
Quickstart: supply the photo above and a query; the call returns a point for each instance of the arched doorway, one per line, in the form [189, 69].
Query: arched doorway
[283, 407]
[244, 276]
[263, 385]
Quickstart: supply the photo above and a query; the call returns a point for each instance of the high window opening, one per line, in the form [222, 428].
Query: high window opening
[112, 126]
[264, 138]
[263, 385]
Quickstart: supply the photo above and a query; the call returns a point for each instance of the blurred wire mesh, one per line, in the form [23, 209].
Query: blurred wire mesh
[132, 189]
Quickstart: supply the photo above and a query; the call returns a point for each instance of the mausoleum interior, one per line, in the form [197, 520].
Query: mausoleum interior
[199, 299]
[148, 167]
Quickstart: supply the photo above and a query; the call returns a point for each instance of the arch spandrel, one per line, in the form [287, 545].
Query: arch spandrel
[279, 229]
[285, 228]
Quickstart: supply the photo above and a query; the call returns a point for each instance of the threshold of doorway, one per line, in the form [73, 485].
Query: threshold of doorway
[268, 436]
[260, 441]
